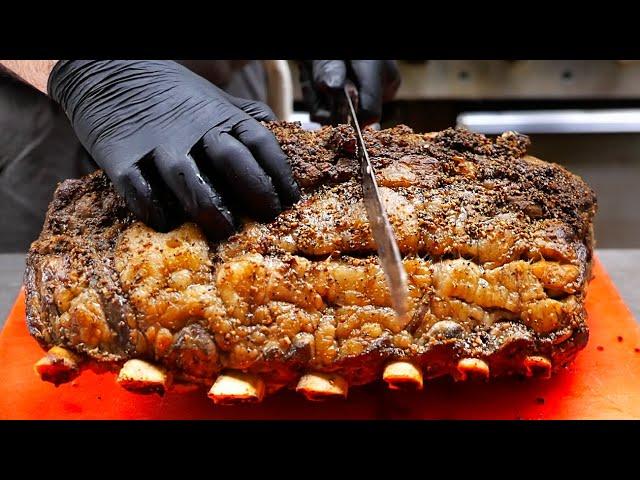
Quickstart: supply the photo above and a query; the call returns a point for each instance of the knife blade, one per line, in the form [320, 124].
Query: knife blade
[386, 244]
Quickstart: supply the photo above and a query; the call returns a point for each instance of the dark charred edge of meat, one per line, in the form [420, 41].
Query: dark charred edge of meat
[510, 144]
[32, 300]
[66, 217]
[113, 211]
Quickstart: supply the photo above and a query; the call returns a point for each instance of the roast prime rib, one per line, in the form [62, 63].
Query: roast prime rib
[497, 246]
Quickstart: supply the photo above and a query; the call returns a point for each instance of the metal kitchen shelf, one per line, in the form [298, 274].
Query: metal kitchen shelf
[553, 121]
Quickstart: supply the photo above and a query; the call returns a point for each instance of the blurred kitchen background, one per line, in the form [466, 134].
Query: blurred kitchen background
[582, 114]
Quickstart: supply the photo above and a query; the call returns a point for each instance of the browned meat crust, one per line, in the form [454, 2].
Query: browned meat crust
[497, 246]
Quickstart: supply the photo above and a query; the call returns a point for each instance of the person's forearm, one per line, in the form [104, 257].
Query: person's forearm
[33, 72]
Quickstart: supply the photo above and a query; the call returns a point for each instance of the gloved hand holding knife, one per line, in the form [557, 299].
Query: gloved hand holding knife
[323, 81]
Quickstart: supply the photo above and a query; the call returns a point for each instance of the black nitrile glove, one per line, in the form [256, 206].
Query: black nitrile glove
[322, 83]
[173, 144]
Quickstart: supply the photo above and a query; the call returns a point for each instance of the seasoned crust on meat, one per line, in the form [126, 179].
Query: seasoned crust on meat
[497, 246]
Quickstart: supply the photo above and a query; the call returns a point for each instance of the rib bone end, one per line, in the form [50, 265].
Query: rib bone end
[537, 366]
[322, 386]
[233, 388]
[58, 366]
[142, 377]
[473, 368]
[403, 376]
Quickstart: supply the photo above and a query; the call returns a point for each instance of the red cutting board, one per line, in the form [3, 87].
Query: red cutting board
[603, 383]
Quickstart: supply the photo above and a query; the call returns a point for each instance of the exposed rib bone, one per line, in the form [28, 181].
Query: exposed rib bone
[402, 375]
[142, 377]
[322, 386]
[237, 387]
[537, 366]
[58, 366]
[472, 367]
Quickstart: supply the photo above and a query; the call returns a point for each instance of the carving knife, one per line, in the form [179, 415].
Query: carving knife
[388, 251]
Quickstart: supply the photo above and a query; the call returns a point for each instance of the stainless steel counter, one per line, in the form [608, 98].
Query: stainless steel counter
[622, 264]
[11, 270]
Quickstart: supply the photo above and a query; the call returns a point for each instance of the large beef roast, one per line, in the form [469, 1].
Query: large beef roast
[497, 246]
